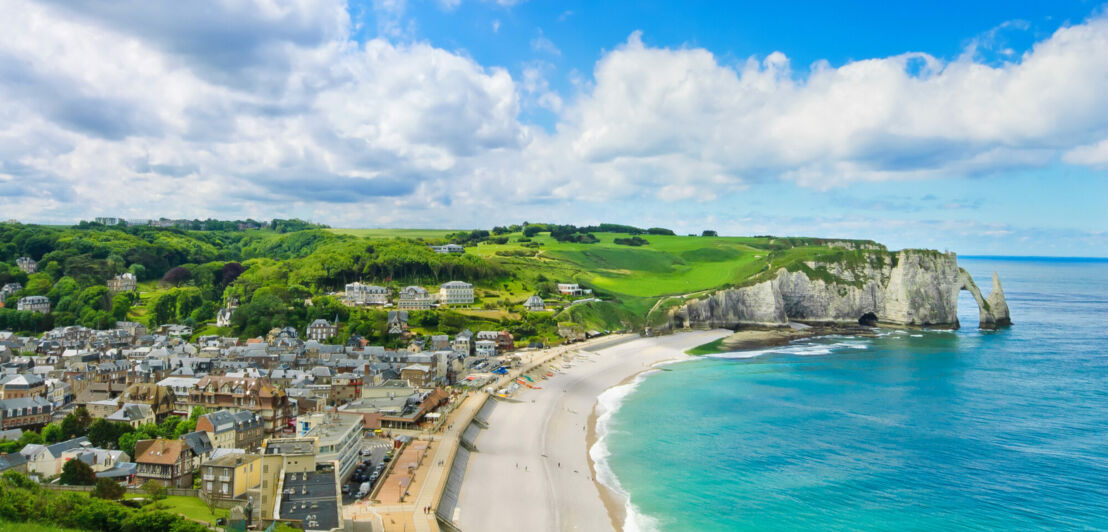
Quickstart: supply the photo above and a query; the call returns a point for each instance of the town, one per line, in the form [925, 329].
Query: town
[287, 428]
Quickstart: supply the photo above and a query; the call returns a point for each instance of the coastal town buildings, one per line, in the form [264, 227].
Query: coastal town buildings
[534, 304]
[365, 294]
[447, 249]
[321, 329]
[228, 477]
[339, 438]
[456, 293]
[28, 413]
[27, 264]
[124, 282]
[573, 289]
[40, 304]
[232, 430]
[166, 461]
[256, 395]
[14, 386]
[414, 298]
[9, 289]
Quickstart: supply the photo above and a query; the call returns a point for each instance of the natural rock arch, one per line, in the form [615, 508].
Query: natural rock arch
[993, 311]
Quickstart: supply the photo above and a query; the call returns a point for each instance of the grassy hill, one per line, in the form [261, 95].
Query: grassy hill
[289, 273]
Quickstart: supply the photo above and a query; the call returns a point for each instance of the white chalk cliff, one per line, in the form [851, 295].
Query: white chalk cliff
[911, 287]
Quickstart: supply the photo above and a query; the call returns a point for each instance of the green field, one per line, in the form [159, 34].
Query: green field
[426, 234]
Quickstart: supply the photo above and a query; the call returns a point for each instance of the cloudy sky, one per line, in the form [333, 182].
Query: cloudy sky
[978, 129]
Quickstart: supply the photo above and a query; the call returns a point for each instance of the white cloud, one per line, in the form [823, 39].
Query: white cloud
[268, 108]
[541, 44]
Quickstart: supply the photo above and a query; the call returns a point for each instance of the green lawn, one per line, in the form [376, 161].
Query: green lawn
[395, 233]
[33, 527]
[190, 507]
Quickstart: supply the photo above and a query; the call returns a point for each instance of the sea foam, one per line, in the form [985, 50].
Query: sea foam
[607, 404]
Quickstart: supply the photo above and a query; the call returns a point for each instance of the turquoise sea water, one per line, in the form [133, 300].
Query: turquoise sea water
[965, 430]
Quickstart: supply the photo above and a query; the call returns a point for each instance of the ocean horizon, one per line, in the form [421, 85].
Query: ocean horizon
[910, 430]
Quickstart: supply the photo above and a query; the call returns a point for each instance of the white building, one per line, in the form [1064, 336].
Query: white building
[340, 438]
[366, 294]
[449, 248]
[125, 282]
[27, 264]
[38, 304]
[534, 304]
[414, 298]
[456, 293]
[486, 348]
[573, 289]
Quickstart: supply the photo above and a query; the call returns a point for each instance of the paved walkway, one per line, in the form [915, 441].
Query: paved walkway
[398, 516]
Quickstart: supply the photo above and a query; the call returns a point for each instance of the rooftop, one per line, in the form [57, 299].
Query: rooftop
[311, 497]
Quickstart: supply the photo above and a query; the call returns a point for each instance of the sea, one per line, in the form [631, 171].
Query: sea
[911, 430]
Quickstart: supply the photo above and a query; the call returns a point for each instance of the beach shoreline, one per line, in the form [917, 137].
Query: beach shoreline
[533, 462]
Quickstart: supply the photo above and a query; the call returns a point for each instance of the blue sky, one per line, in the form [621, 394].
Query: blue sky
[976, 127]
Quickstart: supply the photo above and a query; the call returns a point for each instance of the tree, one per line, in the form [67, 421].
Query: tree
[77, 473]
[105, 434]
[154, 489]
[76, 424]
[709, 232]
[176, 276]
[52, 433]
[230, 272]
[107, 488]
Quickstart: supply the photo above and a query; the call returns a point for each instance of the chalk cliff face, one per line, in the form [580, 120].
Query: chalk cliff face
[917, 288]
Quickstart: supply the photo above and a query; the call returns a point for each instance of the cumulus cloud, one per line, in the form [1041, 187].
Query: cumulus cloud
[271, 108]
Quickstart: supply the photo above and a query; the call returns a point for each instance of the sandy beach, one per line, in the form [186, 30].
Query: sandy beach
[532, 469]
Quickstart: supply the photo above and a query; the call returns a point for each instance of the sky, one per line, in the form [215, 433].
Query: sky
[976, 127]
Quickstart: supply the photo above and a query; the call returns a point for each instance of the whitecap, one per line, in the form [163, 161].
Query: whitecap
[607, 404]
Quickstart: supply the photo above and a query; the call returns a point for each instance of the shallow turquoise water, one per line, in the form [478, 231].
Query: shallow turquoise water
[910, 431]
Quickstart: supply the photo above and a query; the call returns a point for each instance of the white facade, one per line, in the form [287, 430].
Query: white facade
[366, 294]
[573, 289]
[456, 293]
[449, 248]
[414, 298]
[38, 304]
[321, 330]
[125, 282]
[27, 264]
[534, 304]
[486, 348]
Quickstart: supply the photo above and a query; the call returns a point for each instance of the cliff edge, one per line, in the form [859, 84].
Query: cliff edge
[909, 288]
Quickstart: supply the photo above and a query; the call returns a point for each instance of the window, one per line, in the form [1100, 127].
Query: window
[209, 489]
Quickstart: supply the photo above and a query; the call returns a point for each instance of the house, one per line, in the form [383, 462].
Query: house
[256, 395]
[22, 385]
[25, 413]
[228, 477]
[178, 388]
[572, 289]
[135, 415]
[166, 461]
[448, 249]
[38, 304]
[505, 342]
[463, 342]
[534, 304]
[27, 264]
[97, 459]
[200, 447]
[46, 460]
[9, 289]
[414, 298]
[417, 375]
[232, 430]
[486, 348]
[440, 342]
[456, 293]
[124, 282]
[365, 294]
[14, 462]
[321, 329]
[294, 488]
[398, 321]
[159, 398]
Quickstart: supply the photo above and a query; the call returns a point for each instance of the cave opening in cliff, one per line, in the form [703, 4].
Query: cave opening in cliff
[868, 319]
